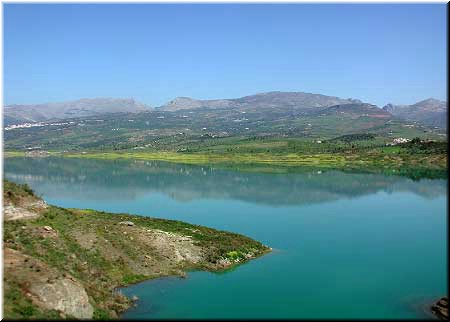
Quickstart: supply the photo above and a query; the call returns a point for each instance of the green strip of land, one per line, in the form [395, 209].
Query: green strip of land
[415, 159]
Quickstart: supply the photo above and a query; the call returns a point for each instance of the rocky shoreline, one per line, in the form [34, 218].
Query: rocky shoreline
[67, 263]
[440, 308]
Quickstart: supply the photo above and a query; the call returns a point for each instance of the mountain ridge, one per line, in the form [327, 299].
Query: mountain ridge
[83, 107]
[266, 99]
[274, 104]
[431, 112]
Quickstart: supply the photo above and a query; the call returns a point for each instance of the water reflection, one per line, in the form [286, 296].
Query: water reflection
[128, 180]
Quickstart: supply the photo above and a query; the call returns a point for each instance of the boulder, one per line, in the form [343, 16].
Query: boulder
[65, 295]
[440, 308]
[126, 223]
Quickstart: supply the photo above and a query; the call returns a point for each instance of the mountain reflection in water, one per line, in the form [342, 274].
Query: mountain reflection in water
[126, 180]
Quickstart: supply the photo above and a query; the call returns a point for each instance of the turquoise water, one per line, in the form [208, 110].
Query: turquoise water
[346, 245]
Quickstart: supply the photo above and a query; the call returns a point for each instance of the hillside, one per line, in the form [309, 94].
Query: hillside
[15, 114]
[185, 123]
[172, 131]
[431, 112]
[67, 263]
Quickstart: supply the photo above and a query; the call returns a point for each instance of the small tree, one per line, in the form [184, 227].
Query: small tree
[416, 140]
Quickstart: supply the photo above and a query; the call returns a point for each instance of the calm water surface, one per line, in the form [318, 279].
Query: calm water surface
[346, 245]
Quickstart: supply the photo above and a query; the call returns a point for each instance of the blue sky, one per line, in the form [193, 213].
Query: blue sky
[378, 53]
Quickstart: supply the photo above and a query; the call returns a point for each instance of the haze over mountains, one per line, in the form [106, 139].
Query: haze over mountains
[86, 107]
[431, 112]
[279, 105]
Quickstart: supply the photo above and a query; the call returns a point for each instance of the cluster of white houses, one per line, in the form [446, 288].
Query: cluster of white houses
[38, 124]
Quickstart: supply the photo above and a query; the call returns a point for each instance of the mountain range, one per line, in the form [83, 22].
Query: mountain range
[270, 99]
[430, 112]
[116, 124]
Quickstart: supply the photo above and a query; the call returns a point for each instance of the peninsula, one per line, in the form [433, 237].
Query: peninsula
[68, 263]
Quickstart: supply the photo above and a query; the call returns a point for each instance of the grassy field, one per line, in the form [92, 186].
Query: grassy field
[96, 252]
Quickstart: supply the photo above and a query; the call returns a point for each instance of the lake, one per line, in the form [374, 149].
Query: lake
[346, 245]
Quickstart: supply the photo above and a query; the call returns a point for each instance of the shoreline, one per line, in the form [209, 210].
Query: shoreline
[439, 308]
[89, 254]
[416, 168]
[229, 269]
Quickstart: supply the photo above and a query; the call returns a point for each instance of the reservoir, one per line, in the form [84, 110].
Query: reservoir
[346, 245]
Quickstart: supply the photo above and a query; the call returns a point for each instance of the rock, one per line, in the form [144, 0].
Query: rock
[66, 296]
[73, 256]
[148, 257]
[223, 262]
[126, 223]
[134, 298]
[48, 231]
[443, 302]
[11, 212]
[440, 308]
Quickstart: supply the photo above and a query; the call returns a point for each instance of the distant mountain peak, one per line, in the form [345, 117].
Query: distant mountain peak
[277, 99]
[82, 107]
[431, 99]
[431, 112]
[432, 102]
[183, 98]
